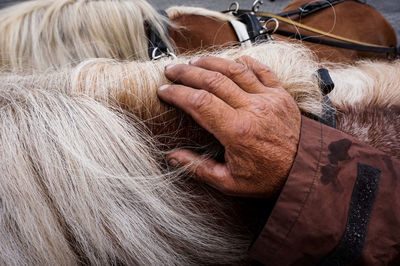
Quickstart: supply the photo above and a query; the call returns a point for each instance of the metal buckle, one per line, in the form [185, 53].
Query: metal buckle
[234, 4]
[154, 55]
[256, 5]
[303, 10]
[276, 25]
[268, 33]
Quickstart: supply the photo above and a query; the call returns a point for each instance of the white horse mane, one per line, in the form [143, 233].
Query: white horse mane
[44, 34]
[82, 177]
[82, 183]
[176, 11]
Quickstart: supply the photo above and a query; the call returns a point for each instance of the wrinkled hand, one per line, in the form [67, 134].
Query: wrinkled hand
[245, 107]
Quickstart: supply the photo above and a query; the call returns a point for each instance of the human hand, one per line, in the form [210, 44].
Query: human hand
[244, 106]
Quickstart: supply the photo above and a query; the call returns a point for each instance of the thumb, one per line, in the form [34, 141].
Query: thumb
[204, 169]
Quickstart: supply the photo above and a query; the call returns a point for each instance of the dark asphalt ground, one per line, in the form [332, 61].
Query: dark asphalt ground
[389, 8]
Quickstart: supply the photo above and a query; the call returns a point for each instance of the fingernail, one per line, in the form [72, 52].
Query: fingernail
[194, 60]
[173, 162]
[169, 67]
[163, 87]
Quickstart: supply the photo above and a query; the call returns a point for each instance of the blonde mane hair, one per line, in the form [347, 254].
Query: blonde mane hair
[43, 34]
[176, 11]
[299, 79]
[83, 180]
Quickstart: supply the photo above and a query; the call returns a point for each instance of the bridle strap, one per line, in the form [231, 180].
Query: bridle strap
[310, 8]
[308, 28]
[241, 32]
[156, 46]
[343, 45]
[348, 43]
[253, 26]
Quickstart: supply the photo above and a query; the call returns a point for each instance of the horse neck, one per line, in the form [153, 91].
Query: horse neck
[196, 32]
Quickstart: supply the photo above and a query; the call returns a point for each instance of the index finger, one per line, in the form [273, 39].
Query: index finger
[248, 73]
[206, 109]
[211, 81]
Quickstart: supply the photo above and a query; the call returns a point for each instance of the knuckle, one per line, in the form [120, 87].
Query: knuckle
[200, 99]
[237, 69]
[246, 58]
[244, 128]
[215, 80]
[264, 70]
[288, 102]
[262, 107]
[267, 72]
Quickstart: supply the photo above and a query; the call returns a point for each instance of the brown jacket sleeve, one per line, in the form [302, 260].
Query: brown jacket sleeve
[340, 205]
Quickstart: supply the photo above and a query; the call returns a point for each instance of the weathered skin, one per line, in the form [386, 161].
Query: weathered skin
[244, 106]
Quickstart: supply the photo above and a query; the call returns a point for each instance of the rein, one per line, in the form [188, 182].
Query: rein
[310, 8]
[253, 20]
[341, 42]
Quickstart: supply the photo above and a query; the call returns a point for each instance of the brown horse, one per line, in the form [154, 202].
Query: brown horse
[350, 19]
[44, 34]
[82, 181]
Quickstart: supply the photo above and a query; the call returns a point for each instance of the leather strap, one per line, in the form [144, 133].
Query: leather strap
[325, 81]
[346, 43]
[310, 8]
[349, 46]
[241, 33]
[329, 111]
[157, 46]
[253, 25]
[305, 27]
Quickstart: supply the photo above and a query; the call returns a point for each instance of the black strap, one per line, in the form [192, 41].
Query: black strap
[328, 117]
[329, 111]
[325, 81]
[350, 46]
[326, 85]
[253, 26]
[311, 8]
[157, 46]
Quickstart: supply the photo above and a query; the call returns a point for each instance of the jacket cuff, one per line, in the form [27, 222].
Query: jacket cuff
[293, 228]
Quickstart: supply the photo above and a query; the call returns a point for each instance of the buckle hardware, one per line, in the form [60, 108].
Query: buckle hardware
[234, 7]
[158, 54]
[256, 5]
